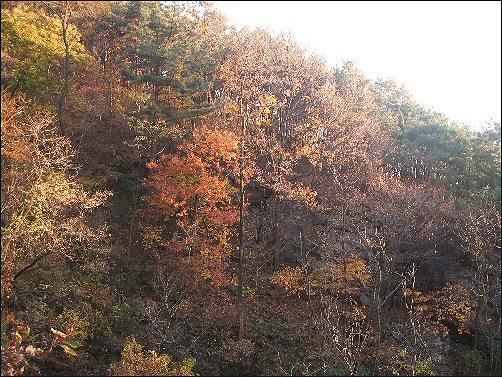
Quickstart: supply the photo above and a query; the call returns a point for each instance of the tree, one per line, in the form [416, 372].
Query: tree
[192, 189]
[480, 234]
[165, 65]
[63, 10]
[45, 212]
[239, 73]
[32, 47]
[138, 362]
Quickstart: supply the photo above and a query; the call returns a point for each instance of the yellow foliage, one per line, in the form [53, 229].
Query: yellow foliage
[358, 271]
[291, 279]
[43, 31]
[152, 238]
[138, 362]
[33, 48]
[357, 274]
[456, 303]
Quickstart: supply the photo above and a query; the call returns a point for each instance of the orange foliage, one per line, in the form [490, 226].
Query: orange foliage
[192, 188]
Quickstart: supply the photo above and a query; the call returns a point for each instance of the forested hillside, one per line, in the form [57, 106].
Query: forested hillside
[180, 197]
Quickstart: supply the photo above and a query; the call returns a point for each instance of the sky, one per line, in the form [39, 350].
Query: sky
[446, 54]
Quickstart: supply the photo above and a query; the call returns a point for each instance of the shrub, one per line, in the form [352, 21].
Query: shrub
[137, 362]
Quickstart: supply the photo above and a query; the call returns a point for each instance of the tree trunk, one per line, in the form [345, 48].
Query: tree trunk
[273, 241]
[65, 17]
[377, 303]
[345, 280]
[241, 223]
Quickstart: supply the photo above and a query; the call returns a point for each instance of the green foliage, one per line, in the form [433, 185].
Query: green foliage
[337, 371]
[477, 363]
[249, 292]
[169, 60]
[405, 364]
[86, 322]
[126, 314]
[433, 149]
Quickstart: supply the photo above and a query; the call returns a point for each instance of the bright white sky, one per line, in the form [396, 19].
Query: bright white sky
[447, 54]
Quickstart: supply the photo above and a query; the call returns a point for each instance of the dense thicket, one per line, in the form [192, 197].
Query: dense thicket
[181, 197]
